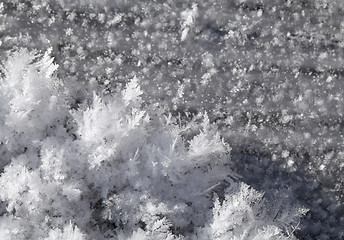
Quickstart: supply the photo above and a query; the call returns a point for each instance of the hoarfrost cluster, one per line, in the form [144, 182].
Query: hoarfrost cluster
[171, 119]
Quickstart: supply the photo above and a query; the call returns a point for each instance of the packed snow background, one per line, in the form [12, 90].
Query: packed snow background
[172, 119]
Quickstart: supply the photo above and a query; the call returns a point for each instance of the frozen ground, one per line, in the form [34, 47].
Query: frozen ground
[269, 74]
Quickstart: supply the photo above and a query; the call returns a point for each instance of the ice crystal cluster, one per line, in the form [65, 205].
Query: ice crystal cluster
[171, 119]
